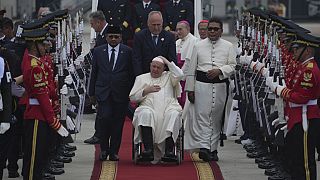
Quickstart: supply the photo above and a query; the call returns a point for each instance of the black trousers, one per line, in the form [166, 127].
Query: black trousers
[97, 126]
[112, 115]
[36, 149]
[5, 140]
[301, 164]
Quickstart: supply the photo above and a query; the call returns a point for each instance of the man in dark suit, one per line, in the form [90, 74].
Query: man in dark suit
[153, 42]
[175, 11]
[111, 81]
[118, 13]
[141, 11]
[99, 24]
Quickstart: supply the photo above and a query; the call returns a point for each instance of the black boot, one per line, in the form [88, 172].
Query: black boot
[204, 154]
[169, 155]
[147, 139]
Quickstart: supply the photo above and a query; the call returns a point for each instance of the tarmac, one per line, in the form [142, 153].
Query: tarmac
[232, 157]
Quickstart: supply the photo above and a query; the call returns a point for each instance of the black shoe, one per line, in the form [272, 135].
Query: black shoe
[266, 165]
[113, 157]
[63, 159]
[92, 140]
[54, 171]
[271, 171]
[214, 156]
[48, 176]
[57, 164]
[169, 157]
[13, 174]
[66, 153]
[69, 147]
[103, 155]
[237, 141]
[147, 155]
[223, 136]
[318, 157]
[204, 154]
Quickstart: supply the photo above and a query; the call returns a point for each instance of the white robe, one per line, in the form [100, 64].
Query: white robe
[184, 47]
[209, 98]
[159, 110]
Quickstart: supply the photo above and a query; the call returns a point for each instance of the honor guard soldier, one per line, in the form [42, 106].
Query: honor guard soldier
[117, 13]
[175, 11]
[303, 114]
[39, 115]
[141, 12]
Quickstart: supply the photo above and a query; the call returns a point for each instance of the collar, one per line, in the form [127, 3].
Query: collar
[116, 48]
[173, 1]
[144, 3]
[101, 32]
[155, 35]
[307, 60]
[34, 56]
[186, 37]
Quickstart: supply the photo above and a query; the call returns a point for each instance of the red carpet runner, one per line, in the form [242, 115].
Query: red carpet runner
[191, 168]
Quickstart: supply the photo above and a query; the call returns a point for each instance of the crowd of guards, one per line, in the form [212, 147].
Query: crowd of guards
[35, 119]
[277, 88]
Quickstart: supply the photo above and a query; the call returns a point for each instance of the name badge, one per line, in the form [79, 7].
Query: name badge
[8, 74]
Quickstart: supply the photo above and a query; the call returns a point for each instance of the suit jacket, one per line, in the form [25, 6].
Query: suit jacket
[116, 13]
[116, 83]
[101, 39]
[144, 49]
[172, 15]
[141, 14]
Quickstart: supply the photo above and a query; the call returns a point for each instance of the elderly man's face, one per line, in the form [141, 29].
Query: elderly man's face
[155, 23]
[182, 30]
[156, 69]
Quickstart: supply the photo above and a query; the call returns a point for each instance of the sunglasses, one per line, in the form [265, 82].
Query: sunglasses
[113, 36]
[213, 29]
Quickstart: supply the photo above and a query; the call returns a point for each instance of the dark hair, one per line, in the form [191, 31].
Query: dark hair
[7, 22]
[216, 20]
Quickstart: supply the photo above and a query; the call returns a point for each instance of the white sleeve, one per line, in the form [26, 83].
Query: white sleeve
[1, 68]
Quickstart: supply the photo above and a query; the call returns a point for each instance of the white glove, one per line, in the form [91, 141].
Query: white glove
[280, 87]
[249, 58]
[265, 72]
[269, 81]
[70, 124]
[68, 79]
[64, 90]
[259, 66]
[275, 122]
[56, 78]
[243, 59]
[63, 132]
[71, 68]
[4, 127]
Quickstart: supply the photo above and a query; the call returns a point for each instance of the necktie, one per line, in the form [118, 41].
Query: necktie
[154, 38]
[175, 3]
[111, 62]
[146, 6]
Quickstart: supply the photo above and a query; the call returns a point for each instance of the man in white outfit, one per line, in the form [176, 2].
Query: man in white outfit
[213, 62]
[157, 119]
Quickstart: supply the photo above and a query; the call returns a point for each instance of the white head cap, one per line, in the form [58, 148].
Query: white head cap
[158, 59]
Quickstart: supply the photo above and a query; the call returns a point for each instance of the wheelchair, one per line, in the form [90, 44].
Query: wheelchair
[178, 149]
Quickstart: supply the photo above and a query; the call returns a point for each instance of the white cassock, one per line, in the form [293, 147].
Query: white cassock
[159, 110]
[210, 98]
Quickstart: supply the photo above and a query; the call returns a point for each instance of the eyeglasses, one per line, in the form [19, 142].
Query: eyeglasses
[213, 29]
[113, 36]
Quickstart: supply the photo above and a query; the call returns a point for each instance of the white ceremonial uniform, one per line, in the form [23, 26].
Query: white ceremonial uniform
[210, 98]
[159, 110]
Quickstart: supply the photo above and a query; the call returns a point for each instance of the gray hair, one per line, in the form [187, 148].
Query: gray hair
[154, 12]
[97, 15]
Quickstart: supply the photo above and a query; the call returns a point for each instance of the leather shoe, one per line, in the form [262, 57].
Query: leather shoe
[48, 176]
[63, 159]
[54, 171]
[66, 153]
[169, 156]
[92, 140]
[204, 154]
[318, 157]
[214, 156]
[103, 155]
[57, 164]
[113, 157]
[67, 147]
[13, 174]
[147, 155]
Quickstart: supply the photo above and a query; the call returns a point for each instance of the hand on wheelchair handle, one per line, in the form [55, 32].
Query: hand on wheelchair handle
[191, 96]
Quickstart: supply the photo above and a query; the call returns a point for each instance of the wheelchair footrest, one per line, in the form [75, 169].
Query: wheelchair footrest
[144, 159]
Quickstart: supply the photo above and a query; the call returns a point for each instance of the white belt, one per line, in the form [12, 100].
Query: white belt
[33, 101]
[304, 111]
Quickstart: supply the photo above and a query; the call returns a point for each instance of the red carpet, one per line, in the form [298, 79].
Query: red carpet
[126, 169]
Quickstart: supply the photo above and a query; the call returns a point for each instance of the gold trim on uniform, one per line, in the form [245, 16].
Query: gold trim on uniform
[34, 146]
[305, 152]
[307, 76]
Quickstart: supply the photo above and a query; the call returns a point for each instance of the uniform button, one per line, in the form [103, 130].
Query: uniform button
[119, 10]
[170, 22]
[109, 11]
[111, 18]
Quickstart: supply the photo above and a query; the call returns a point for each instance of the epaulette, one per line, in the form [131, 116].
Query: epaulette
[34, 62]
